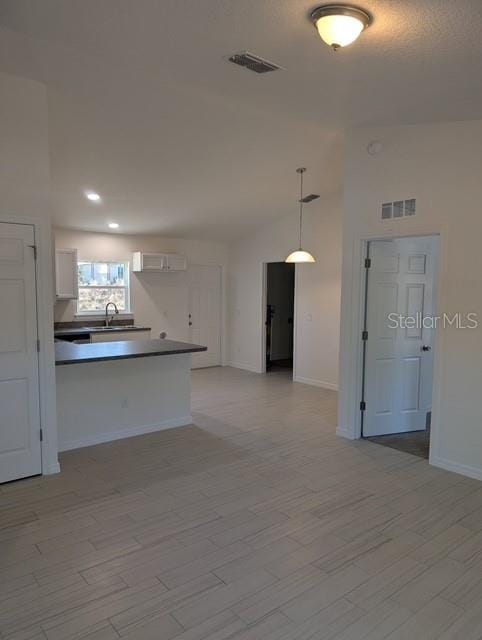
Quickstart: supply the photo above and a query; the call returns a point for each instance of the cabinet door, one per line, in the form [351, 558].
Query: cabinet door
[152, 262]
[175, 262]
[66, 279]
[119, 336]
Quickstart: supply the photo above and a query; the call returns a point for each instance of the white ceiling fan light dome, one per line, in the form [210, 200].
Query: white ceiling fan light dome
[340, 25]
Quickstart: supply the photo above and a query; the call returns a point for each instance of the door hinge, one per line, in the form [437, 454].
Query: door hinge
[368, 263]
[364, 335]
[363, 405]
[38, 345]
[34, 247]
[41, 435]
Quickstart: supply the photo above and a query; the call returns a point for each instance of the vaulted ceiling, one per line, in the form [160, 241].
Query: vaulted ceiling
[145, 110]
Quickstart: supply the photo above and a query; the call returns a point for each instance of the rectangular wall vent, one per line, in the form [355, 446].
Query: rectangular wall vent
[398, 209]
[252, 62]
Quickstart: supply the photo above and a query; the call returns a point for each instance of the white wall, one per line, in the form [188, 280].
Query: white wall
[25, 198]
[158, 300]
[24, 148]
[317, 292]
[440, 166]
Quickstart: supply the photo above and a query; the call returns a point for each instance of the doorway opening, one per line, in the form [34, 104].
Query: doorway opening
[398, 342]
[279, 316]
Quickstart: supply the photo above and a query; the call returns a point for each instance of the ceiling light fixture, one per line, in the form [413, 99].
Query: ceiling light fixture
[340, 24]
[91, 195]
[300, 255]
[113, 225]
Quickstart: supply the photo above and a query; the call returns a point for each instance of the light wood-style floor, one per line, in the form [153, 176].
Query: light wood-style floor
[254, 523]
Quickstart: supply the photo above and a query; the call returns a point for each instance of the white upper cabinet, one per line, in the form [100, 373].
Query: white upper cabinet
[66, 279]
[176, 262]
[147, 261]
[157, 262]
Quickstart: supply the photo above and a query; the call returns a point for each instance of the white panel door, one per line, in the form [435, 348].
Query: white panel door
[399, 356]
[204, 319]
[20, 454]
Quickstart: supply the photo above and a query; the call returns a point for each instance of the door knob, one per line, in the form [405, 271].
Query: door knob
[426, 347]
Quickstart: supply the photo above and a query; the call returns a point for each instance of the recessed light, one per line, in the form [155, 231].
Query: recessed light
[113, 225]
[91, 195]
[339, 25]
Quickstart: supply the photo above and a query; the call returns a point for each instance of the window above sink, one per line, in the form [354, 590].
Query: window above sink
[101, 283]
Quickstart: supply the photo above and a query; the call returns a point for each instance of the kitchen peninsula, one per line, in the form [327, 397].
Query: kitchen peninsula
[112, 390]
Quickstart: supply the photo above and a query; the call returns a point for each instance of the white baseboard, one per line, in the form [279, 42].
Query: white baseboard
[243, 365]
[88, 441]
[316, 383]
[345, 433]
[462, 469]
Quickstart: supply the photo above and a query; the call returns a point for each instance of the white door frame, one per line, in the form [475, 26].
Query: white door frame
[264, 293]
[354, 388]
[45, 328]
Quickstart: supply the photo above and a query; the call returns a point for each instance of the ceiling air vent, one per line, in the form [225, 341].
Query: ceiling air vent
[310, 198]
[251, 62]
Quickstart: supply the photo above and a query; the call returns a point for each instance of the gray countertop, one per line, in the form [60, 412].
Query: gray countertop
[70, 353]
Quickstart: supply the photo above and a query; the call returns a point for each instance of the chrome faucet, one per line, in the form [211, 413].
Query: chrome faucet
[108, 319]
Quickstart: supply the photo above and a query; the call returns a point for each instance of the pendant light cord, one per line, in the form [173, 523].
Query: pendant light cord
[301, 172]
[300, 255]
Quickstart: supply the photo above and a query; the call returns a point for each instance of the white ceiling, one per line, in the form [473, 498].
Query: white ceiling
[145, 110]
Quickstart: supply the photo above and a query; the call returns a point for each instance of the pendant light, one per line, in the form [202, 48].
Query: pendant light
[300, 255]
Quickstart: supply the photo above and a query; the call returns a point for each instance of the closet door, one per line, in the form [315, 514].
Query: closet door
[20, 453]
[204, 319]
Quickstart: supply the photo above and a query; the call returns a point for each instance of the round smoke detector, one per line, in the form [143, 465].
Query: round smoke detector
[374, 147]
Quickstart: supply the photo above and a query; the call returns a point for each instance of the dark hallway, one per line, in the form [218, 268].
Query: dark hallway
[280, 291]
